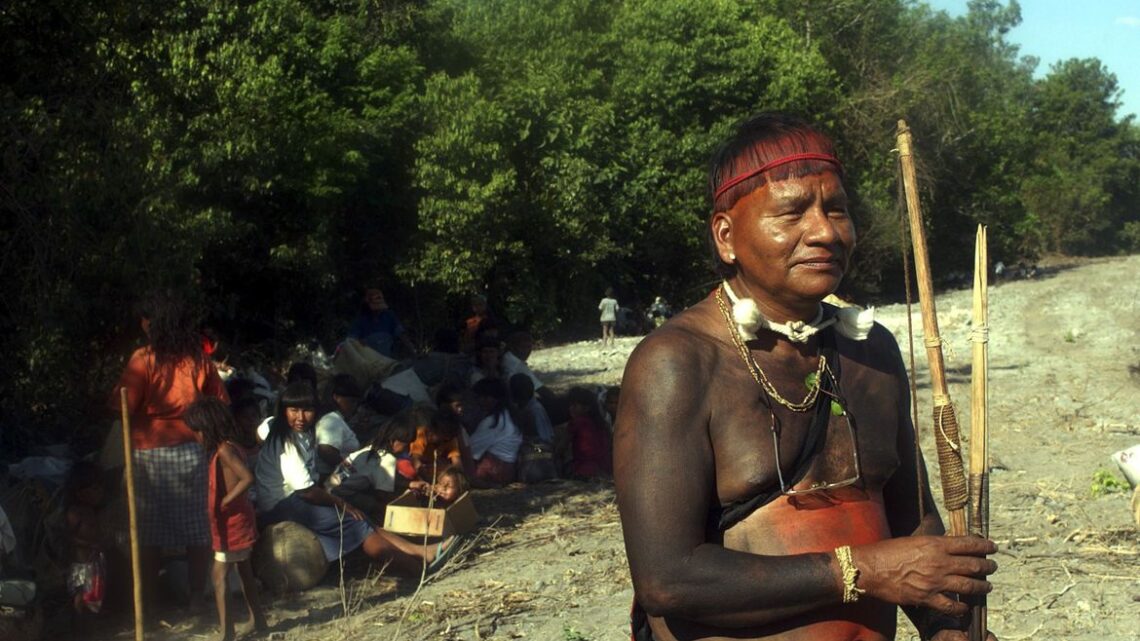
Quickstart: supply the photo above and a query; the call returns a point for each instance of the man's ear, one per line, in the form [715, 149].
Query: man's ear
[721, 226]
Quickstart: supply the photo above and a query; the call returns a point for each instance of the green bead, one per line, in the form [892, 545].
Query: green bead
[811, 380]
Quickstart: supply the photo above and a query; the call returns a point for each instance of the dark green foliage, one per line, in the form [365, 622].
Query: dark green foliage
[269, 157]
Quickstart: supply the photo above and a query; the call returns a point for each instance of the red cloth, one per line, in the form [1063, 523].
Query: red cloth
[591, 448]
[492, 470]
[471, 326]
[156, 397]
[405, 468]
[233, 528]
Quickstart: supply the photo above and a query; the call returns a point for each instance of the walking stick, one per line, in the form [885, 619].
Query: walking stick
[129, 473]
[945, 420]
[979, 428]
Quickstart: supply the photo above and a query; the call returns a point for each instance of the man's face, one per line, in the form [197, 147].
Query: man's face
[374, 298]
[792, 239]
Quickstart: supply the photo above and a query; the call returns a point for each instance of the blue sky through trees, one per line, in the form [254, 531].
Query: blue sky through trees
[1055, 30]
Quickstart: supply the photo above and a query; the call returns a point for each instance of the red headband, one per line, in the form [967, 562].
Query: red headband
[771, 164]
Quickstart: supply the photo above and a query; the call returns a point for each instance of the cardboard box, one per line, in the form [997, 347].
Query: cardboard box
[406, 515]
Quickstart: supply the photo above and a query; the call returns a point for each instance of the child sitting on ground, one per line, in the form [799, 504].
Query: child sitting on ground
[368, 478]
[494, 445]
[232, 525]
[588, 435]
[437, 445]
[87, 574]
[451, 484]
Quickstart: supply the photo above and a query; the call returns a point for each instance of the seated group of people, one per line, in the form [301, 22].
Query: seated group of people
[482, 379]
[435, 424]
[480, 430]
[219, 455]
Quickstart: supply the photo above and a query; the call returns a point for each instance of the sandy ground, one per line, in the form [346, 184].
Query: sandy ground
[549, 563]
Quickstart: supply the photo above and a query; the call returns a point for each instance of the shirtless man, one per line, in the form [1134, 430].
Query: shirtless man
[832, 542]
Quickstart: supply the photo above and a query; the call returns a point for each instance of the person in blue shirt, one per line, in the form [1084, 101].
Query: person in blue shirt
[378, 327]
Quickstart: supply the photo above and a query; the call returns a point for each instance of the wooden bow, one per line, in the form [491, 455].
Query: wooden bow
[955, 493]
[946, 437]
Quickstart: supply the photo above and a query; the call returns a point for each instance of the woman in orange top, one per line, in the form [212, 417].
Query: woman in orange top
[162, 379]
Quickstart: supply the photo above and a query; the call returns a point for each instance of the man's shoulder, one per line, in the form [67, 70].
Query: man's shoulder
[690, 340]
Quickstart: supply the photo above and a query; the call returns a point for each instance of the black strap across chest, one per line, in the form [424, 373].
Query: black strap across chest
[729, 515]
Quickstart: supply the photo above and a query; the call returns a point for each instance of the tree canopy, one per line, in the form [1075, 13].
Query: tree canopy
[275, 156]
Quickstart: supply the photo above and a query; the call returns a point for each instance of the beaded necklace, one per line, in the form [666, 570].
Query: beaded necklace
[758, 374]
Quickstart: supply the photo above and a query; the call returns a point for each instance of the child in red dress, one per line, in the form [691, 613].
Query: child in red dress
[232, 524]
[591, 443]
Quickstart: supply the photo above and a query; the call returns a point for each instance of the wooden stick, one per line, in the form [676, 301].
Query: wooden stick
[979, 427]
[954, 493]
[129, 473]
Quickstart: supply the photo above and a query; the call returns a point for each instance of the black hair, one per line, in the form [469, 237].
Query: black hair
[298, 394]
[302, 371]
[495, 389]
[586, 397]
[756, 141]
[173, 332]
[448, 393]
[400, 427]
[239, 388]
[245, 402]
[384, 401]
[346, 385]
[487, 342]
[522, 389]
[212, 418]
[221, 353]
[444, 424]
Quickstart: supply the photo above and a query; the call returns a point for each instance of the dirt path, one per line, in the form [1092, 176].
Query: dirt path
[551, 567]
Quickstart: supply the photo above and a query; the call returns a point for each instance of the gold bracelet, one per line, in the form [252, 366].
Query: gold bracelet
[851, 593]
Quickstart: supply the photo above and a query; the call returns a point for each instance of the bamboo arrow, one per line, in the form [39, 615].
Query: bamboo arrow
[979, 428]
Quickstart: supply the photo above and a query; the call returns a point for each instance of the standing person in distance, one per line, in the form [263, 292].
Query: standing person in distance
[608, 308]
